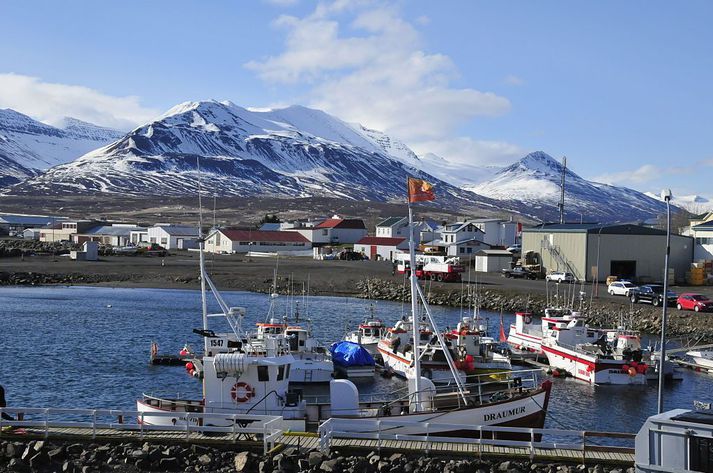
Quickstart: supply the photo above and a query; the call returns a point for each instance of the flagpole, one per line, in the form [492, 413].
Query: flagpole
[414, 311]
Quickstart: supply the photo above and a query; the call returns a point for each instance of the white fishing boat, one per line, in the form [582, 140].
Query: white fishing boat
[397, 352]
[368, 334]
[589, 354]
[527, 332]
[241, 378]
[702, 358]
[476, 352]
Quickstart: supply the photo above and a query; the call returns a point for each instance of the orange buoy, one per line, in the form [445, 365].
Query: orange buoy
[189, 366]
[632, 371]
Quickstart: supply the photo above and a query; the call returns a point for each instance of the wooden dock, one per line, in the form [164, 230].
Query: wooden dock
[346, 435]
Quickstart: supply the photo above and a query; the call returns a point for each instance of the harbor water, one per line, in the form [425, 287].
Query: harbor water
[88, 347]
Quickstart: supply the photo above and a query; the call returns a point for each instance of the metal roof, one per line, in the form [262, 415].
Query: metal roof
[176, 230]
[494, 253]
[110, 230]
[19, 219]
[391, 221]
[598, 228]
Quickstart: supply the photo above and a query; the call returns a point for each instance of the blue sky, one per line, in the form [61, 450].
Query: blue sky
[622, 88]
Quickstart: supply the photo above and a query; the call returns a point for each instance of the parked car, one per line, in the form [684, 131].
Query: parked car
[620, 288]
[560, 276]
[651, 293]
[696, 302]
[519, 272]
[516, 248]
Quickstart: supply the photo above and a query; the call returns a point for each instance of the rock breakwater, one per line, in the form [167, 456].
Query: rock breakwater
[598, 312]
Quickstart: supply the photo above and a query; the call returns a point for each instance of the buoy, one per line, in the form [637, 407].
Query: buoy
[556, 373]
[189, 366]
[183, 352]
[632, 371]
[625, 367]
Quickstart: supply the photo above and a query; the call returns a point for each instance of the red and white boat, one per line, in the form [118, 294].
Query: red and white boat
[527, 332]
[589, 354]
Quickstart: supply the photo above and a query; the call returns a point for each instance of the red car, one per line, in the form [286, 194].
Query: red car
[691, 301]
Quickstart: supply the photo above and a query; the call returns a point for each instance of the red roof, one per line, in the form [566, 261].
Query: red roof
[257, 235]
[382, 241]
[343, 223]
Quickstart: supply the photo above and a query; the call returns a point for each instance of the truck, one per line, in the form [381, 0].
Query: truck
[435, 268]
[519, 272]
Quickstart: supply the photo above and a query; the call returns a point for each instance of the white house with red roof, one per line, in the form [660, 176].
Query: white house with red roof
[334, 231]
[384, 248]
[243, 241]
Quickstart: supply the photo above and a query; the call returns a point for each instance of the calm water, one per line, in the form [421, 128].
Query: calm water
[89, 347]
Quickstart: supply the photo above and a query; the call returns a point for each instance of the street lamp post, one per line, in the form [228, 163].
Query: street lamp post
[666, 195]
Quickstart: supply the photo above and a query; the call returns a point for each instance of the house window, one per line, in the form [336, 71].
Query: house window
[325, 232]
[153, 239]
[217, 239]
[470, 250]
[164, 240]
[462, 250]
[244, 243]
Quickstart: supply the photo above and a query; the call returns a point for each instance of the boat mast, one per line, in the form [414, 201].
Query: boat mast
[414, 311]
[201, 246]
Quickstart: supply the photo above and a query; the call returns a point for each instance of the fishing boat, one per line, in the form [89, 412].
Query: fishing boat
[368, 334]
[238, 378]
[476, 352]
[526, 333]
[397, 351]
[352, 360]
[589, 354]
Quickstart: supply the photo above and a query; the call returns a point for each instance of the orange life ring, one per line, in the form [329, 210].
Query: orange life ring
[241, 392]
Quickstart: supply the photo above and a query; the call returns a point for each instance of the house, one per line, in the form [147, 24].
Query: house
[461, 239]
[383, 248]
[592, 251]
[242, 241]
[32, 233]
[702, 234]
[15, 224]
[174, 237]
[63, 231]
[397, 227]
[493, 261]
[335, 230]
[113, 235]
[497, 232]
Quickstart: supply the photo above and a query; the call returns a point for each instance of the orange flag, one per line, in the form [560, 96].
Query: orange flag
[419, 190]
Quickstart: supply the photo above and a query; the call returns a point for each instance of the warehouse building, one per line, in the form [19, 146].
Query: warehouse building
[595, 251]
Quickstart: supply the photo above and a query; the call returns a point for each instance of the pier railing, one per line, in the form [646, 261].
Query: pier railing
[538, 442]
[90, 422]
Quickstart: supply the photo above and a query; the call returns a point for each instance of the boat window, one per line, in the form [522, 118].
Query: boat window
[701, 454]
[262, 373]
[287, 371]
[281, 372]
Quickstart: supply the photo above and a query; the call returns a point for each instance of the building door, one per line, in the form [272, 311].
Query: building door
[179, 243]
[623, 269]
[372, 254]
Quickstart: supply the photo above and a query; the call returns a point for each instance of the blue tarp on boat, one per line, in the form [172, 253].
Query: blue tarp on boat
[350, 354]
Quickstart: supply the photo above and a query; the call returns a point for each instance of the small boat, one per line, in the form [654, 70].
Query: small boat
[352, 360]
[368, 334]
[396, 349]
[594, 356]
[702, 358]
[476, 352]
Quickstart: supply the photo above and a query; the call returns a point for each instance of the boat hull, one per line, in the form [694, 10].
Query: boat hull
[589, 368]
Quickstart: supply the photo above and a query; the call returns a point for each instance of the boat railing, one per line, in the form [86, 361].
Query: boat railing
[540, 442]
[90, 422]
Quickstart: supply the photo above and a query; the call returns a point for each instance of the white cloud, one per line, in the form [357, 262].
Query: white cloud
[50, 102]
[645, 173]
[362, 62]
[512, 79]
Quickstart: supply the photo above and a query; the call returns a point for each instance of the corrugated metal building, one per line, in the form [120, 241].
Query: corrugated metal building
[595, 251]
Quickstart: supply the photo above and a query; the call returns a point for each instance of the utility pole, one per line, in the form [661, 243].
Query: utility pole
[561, 204]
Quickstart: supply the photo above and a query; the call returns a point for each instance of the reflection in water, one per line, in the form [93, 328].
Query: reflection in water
[63, 347]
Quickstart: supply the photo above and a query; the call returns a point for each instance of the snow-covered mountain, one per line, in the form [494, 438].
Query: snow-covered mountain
[459, 174]
[535, 182]
[693, 203]
[290, 152]
[28, 146]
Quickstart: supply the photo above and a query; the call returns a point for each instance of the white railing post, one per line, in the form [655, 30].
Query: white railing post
[532, 444]
[428, 440]
[378, 435]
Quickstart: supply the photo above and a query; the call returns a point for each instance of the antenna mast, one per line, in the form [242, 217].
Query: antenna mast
[561, 204]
